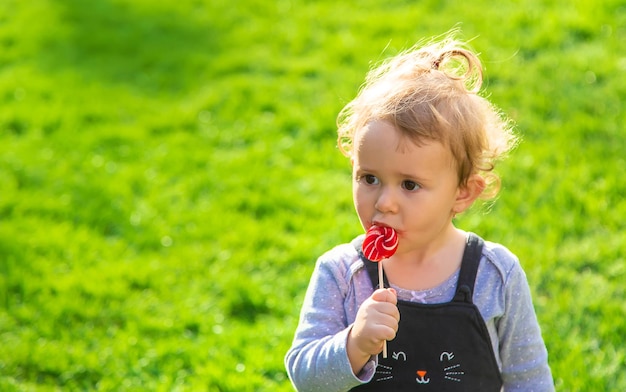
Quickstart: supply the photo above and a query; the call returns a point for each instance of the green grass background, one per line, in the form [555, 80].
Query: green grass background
[168, 176]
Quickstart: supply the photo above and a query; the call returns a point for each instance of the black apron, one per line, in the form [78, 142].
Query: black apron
[438, 347]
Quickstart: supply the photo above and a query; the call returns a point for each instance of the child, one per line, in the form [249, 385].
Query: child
[458, 315]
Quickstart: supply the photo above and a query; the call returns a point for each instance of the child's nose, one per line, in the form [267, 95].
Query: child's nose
[386, 202]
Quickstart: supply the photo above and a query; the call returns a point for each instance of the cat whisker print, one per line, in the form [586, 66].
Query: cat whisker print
[385, 371]
[452, 375]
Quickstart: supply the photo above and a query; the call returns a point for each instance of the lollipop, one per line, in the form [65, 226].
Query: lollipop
[380, 243]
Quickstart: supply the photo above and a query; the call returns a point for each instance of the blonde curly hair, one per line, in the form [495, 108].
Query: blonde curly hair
[431, 93]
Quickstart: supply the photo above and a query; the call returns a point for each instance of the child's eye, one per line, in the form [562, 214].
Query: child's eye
[370, 179]
[410, 185]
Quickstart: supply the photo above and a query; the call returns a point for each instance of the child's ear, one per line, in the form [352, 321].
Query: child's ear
[468, 193]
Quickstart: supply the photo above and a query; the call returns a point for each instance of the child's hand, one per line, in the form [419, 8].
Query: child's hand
[376, 321]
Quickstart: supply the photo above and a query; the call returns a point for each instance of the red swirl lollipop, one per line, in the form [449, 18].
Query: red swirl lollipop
[380, 243]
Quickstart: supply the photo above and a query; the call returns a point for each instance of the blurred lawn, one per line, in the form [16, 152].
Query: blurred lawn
[168, 176]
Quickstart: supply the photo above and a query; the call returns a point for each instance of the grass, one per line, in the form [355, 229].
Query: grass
[169, 175]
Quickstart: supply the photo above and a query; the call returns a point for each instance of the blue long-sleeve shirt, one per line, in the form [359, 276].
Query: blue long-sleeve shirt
[318, 359]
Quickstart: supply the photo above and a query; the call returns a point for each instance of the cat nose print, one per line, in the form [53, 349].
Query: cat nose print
[421, 377]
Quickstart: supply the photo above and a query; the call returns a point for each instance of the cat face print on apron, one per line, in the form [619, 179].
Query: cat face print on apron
[439, 347]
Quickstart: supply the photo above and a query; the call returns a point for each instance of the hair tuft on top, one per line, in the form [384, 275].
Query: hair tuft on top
[432, 93]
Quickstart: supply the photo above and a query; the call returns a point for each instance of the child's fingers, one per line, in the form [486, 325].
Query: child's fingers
[385, 295]
[387, 327]
[386, 304]
[376, 321]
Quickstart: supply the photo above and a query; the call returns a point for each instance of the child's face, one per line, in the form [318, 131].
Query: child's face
[396, 183]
